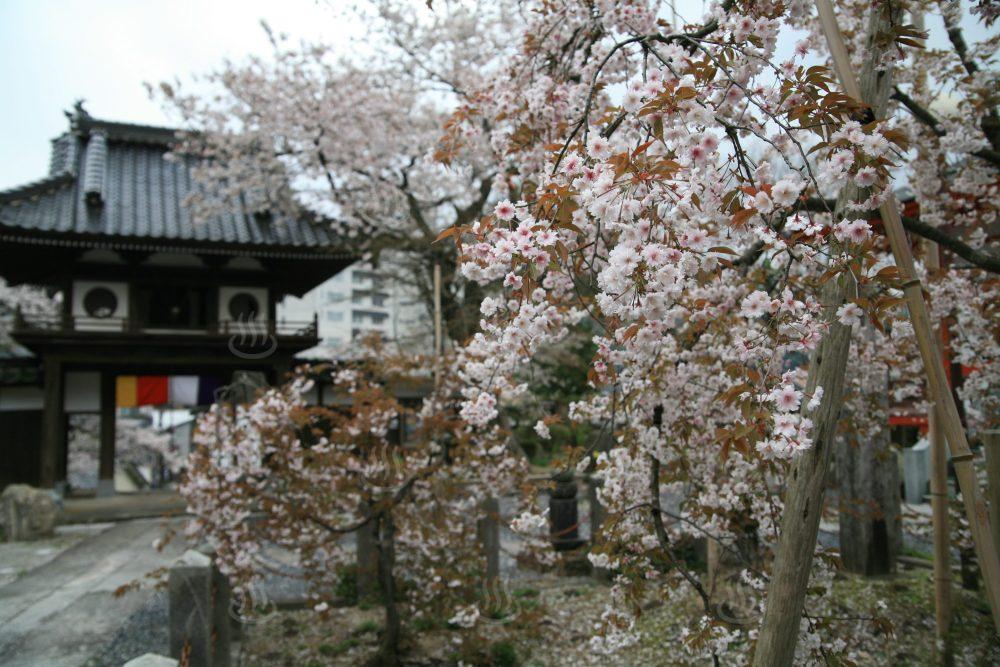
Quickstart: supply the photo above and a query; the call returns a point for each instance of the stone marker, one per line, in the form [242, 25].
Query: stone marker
[595, 508]
[244, 387]
[871, 528]
[221, 618]
[199, 608]
[489, 536]
[27, 513]
[151, 660]
[366, 573]
[917, 471]
[596, 521]
[564, 517]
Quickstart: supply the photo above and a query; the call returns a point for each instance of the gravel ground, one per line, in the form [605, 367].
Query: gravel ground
[572, 605]
[145, 631]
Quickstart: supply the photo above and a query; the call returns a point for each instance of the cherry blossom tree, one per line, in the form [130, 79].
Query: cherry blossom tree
[699, 198]
[726, 282]
[26, 299]
[349, 134]
[278, 475]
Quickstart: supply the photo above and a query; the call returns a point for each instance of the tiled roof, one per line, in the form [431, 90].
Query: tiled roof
[111, 180]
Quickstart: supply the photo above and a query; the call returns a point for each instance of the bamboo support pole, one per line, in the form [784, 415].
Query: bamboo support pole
[939, 501]
[991, 443]
[939, 392]
[438, 342]
[711, 565]
[942, 543]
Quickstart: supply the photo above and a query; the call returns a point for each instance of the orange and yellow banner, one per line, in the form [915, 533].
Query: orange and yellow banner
[126, 391]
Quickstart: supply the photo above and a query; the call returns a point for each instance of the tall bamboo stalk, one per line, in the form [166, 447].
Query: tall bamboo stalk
[940, 394]
[991, 443]
[939, 505]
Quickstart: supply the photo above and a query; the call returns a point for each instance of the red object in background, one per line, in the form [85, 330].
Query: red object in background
[919, 421]
[151, 389]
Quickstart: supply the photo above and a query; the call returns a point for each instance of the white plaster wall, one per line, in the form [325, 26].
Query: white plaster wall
[21, 398]
[82, 392]
[86, 323]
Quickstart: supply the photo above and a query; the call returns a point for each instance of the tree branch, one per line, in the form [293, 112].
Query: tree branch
[927, 118]
[983, 259]
[990, 122]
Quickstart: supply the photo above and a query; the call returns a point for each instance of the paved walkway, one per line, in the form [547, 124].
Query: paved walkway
[63, 612]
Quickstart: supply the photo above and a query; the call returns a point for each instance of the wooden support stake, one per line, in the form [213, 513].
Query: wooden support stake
[106, 460]
[991, 442]
[939, 503]
[489, 536]
[940, 393]
[438, 342]
[711, 565]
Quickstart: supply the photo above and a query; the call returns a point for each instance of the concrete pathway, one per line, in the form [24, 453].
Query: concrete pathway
[63, 612]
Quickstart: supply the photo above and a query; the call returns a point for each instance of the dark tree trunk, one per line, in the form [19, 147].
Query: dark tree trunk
[786, 591]
[388, 655]
[870, 525]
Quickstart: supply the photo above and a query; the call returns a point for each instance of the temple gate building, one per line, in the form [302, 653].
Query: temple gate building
[147, 293]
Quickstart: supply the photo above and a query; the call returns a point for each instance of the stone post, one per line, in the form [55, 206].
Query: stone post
[564, 518]
[595, 507]
[366, 574]
[870, 524]
[244, 387]
[199, 599]
[489, 535]
[190, 613]
[27, 513]
[917, 472]
[221, 621]
[596, 520]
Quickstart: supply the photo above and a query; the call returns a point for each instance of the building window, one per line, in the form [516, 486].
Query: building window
[368, 316]
[334, 316]
[166, 305]
[334, 297]
[361, 297]
[243, 307]
[100, 302]
[360, 276]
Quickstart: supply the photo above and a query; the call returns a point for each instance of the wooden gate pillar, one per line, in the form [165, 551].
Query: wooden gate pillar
[106, 466]
[53, 423]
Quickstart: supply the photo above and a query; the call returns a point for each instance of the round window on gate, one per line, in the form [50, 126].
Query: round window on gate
[243, 307]
[100, 302]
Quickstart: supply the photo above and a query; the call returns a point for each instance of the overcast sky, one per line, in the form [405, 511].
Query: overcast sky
[53, 52]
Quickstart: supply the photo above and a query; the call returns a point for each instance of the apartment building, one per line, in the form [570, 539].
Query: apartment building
[360, 301]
